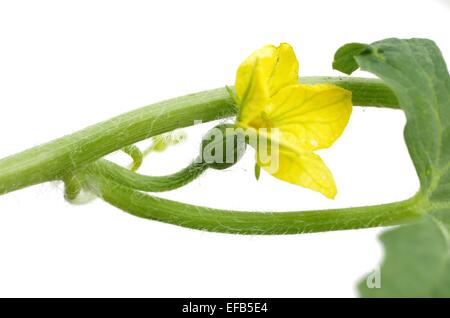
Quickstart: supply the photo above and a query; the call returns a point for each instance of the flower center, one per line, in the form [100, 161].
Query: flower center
[262, 121]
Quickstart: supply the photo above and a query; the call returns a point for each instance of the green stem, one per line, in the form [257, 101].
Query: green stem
[366, 92]
[241, 222]
[149, 183]
[135, 153]
[72, 186]
[70, 158]
[52, 161]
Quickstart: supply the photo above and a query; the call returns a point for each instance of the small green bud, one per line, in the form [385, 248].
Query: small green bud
[223, 146]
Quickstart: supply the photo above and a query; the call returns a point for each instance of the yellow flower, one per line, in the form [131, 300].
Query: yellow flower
[305, 117]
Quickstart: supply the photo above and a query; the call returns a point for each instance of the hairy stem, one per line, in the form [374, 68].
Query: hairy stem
[135, 154]
[242, 222]
[149, 183]
[53, 160]
[366, 92]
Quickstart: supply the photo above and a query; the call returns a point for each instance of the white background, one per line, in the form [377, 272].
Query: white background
[67, 64]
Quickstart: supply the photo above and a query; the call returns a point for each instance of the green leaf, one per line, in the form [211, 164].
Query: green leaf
[417, 256]
[415, 70]
[417, 262]
[344, 58]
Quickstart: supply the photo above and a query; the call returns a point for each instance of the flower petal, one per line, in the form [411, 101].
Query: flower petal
[285, 70]
[277, 66]
[301, 168]
[310, 117]
[255, 105]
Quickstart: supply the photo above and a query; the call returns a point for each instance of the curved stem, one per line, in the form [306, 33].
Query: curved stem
[241, 222]
[148, 183]
[72, 186]
[136, 155]
[55, 159]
